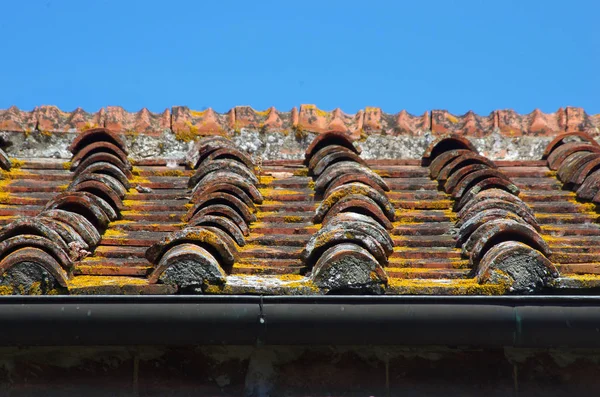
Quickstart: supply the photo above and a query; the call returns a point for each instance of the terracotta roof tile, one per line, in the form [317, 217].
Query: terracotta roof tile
[535, 123]
[119, 120]
[463, 223]
[375, 121]
[192, 123]
[313, 119]
[470, 124]
[13, 119]
[51, 119]
[266, 121]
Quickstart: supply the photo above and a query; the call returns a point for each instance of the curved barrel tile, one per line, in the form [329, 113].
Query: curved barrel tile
[489, 211]
[30, 265]
[445, 144]
[223, 194]
[350, 250]
[347, 268]
[522, 267]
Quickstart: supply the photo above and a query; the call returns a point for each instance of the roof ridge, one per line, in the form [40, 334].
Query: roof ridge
[188, 123]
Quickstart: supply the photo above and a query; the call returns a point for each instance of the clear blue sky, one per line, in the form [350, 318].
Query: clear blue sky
[414, 55]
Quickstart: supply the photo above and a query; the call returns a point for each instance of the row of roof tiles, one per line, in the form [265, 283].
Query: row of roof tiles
[343, 212]
[371, 120]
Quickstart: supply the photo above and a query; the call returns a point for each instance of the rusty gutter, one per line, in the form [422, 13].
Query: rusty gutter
[475, 321]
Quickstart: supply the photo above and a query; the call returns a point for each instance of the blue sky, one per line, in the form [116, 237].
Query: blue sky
[454, 55]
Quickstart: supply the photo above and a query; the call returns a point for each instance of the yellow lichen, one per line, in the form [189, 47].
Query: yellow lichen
[130, 212]
[16, 163]
[137, 180]
[187, 135]
[13, 174]
[131, 203]
[88, 126]
[290, 277]
[263, 113]
[35, 288]
[198, 113]
[268, 192]
[292, 219]
[586, 280]
[121, 222]
[301, 172]
[6, 198]
[299, 132]
[6, 290]
[114, 233]
[170, 173]
[99, 281]
[131, 133]
[67, 165]
[444, 287]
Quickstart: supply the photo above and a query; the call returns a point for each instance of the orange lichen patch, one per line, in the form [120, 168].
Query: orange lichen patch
[402, 286]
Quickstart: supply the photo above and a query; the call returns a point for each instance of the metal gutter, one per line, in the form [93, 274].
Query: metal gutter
[475, 321]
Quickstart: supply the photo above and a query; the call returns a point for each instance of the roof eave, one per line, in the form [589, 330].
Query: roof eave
[473, 321]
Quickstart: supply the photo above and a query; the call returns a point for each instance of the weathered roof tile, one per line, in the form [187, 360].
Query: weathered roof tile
[386, 215]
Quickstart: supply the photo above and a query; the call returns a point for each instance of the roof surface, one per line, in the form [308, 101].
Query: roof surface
[300, 202]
